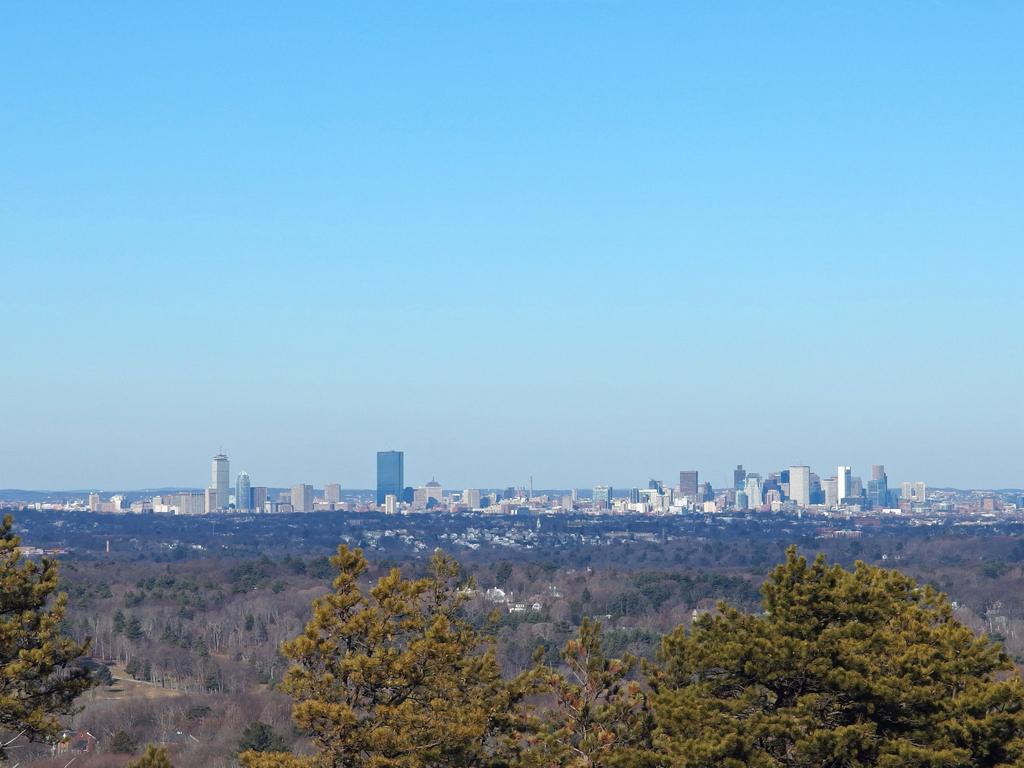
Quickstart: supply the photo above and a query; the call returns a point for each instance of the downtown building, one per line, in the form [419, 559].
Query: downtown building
[218, 495]
[390, 475]
[800, 485]
[689, 486]
[302, 498]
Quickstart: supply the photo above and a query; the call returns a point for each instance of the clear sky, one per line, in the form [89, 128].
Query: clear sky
[595, 242]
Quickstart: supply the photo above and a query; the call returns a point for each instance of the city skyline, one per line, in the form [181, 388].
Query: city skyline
[795, 489]
[578, 241]
[390, 479]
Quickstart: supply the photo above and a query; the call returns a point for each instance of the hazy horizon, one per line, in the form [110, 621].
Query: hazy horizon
[590, 242]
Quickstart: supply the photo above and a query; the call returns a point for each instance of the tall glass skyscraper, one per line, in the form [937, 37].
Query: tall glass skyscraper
[243, 492]
[390, 474]
[878, 486]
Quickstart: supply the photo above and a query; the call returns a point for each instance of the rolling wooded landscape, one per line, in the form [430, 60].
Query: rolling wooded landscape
[212, 660]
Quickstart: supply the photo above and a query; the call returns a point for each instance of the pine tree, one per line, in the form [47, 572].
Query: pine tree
[133, 668]
[154, 757]
[133, 629]
[861, 668]
[261, 737]
[39, 679]
[393, 677]
[122, 743]
[597, 710]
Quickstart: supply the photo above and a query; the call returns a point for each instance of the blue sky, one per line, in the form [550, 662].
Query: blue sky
[595, 242]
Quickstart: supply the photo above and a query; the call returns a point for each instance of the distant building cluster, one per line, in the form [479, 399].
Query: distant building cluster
[220, 496]
[800, 488]
[795, 489]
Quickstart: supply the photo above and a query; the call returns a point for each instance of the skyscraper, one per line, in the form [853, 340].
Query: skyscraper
[878, 487]
[258, 496]
[754, 489]
[220, 481]
[688, 484]
[843, 483]
[603, 495]
[856, 489]
[817, 494]
[332, 492]
[302, 498]
[878, 493]
[434, 491]
[243, 492]
[915, 492]
[829, 488]
[738, 476]
[390, 474]
[188, 503]
[800, 485]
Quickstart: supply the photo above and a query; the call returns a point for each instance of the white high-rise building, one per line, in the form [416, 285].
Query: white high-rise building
[302, 498]
[390, 504]
[332, 493]
[187, 503]
[829, 487]
[220, 482]
[754, 493]
[471, 498]
[844, 483]
[94, 502]
[800, 485]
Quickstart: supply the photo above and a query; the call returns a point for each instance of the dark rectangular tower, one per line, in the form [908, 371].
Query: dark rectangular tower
[688, 484]
[390, 474]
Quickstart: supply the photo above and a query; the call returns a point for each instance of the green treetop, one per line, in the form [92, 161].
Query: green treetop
[261, 737]
[38, 678]
[592, 709]
[154, 757]
[393, 677]
[861, 668]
